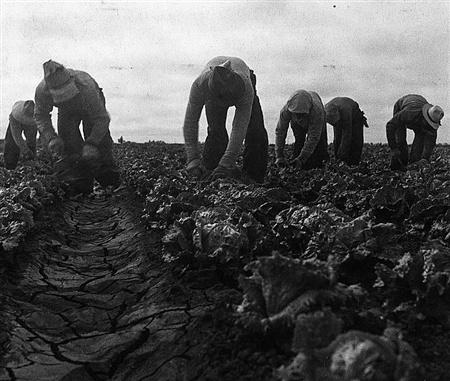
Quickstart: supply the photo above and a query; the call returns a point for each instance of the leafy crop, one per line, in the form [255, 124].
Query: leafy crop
[23, 192]
[317, 253]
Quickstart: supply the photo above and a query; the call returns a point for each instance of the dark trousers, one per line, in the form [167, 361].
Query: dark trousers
[422, 146]
[255, 155]
[320, 154]
[103, 170]
[11, 153]
[356, 137]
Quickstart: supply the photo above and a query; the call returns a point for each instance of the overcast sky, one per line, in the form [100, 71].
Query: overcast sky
[145, 55]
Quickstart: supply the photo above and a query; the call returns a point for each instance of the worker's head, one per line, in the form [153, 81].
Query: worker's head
[300, 102]
[23, 112]
[225, 84]
[60, 83]
[332, 113]
[299, 105]
[433, 115]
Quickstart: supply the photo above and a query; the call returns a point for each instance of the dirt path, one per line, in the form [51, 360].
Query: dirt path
[89, 300]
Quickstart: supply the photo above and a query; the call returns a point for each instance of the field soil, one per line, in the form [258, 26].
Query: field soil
[100, 291]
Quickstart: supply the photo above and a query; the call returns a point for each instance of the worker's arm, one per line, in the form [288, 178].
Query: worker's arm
[281, 132]
[239, 130]
[191, 118]
[42, 112]
[429, 144]
[16, 132]
[316, 126]
[399, 120]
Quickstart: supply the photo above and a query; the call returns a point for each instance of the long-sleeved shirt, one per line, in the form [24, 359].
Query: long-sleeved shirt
[341, 112]
[17, 129]
[408, 113]
[92, 106]
[198, 96]
[309, 103]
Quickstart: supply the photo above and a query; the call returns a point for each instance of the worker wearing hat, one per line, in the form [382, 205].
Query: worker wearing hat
[21, 123]
[305, 113]
[226, 82]
[415, 113]
[348, 123]
[78, 98]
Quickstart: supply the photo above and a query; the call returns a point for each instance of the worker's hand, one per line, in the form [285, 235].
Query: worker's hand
[281, 162]
[56, 145]
[27, 154]
[420, 163]
[90, 153]
[297, 163]
[221, 172]
[196, 169]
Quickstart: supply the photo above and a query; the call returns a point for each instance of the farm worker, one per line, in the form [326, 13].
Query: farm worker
[414, 112]
[78, 98]
[21, 123]
[226, 82]
[348, 123]
[305, 113]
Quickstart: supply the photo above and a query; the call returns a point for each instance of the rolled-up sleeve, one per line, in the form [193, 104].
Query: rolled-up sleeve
[191, 118]
[281, 132]
[42, 112]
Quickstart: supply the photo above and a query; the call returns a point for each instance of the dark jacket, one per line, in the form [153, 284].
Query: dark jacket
[408, 114]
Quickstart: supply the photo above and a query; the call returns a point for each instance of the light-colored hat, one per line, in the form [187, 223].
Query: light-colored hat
[61, 85]
[300, 102]
[224, 82]
[23, 112]
[433, 115]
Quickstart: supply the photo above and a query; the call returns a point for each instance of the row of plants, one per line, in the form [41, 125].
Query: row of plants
[336, 266]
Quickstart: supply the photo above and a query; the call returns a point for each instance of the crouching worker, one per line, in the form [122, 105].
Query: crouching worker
[305, 113]
[226, 82]
[21, 123]
[348, 123]
[78, 99]
[415, 113]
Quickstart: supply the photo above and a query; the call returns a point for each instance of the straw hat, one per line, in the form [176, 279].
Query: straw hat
[224, 82]
[433, 115]
[23, 112]
[61, 85]
[300, 102]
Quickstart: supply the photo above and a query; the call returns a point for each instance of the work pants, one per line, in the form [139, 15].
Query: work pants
[356, 138]
[72, 169]
[255, 155]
